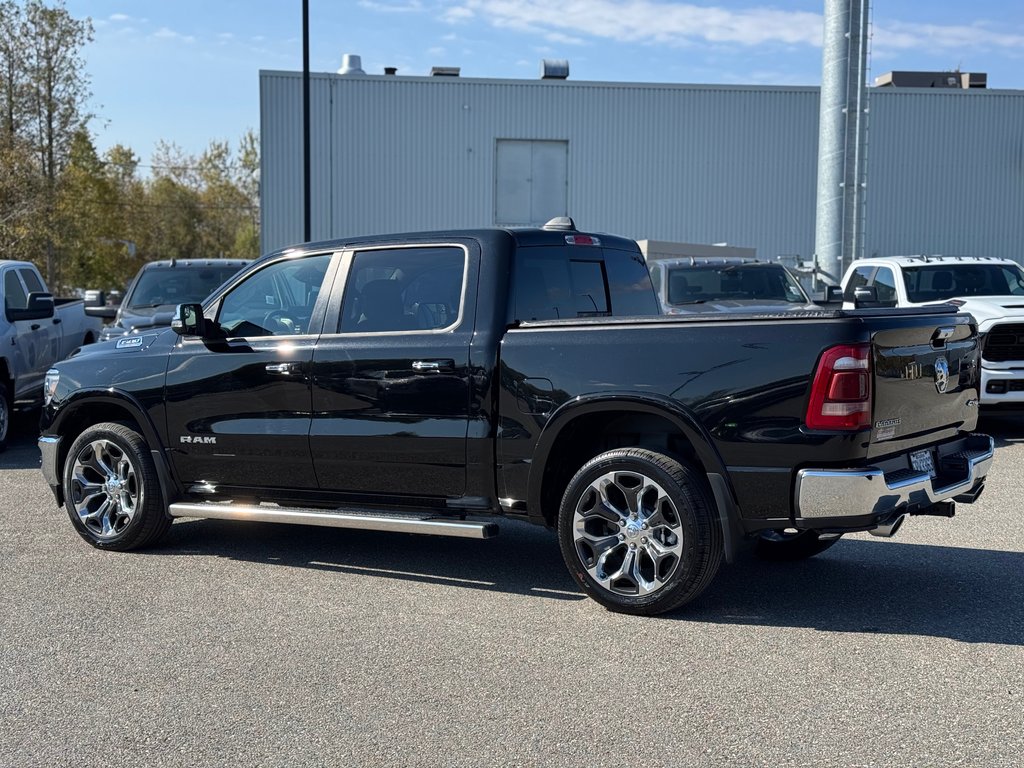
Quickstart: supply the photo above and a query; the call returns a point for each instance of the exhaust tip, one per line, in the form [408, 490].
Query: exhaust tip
[888, 530]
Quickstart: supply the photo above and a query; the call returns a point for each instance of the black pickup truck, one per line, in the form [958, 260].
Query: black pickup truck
[433, 382]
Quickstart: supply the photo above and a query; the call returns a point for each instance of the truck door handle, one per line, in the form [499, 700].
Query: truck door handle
[56, 321]
[433, 366]
[285, 368]
[36, 326]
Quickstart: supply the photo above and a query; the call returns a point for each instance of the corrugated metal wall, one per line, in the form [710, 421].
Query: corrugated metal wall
[701, 164]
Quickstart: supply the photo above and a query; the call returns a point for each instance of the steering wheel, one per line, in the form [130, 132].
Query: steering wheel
[282, 323]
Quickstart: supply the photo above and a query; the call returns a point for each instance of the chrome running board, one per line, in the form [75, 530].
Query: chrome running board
[366, 520]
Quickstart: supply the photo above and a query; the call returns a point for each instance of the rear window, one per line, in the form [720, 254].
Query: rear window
[553, 283]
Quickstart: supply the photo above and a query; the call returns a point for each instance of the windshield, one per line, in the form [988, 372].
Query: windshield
[160, 286]
[735, 282]
[938, 282]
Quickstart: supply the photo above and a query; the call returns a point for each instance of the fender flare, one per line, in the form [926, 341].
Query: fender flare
[83, 398]
[677, 414]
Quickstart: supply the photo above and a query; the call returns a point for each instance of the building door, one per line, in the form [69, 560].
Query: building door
[531, 182]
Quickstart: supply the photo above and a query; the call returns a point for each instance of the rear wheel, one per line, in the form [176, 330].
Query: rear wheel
[111, 489]
[791, 545]
[637, 531]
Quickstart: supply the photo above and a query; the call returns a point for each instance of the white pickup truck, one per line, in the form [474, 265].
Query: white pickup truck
[990, 289]
[36, 331]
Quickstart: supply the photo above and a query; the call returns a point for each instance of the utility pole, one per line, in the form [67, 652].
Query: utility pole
[306, 187]
[842, 127]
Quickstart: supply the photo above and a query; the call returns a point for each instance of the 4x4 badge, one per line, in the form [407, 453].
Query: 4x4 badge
[941, 375]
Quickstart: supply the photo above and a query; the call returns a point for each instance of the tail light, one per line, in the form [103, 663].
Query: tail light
[841, 392]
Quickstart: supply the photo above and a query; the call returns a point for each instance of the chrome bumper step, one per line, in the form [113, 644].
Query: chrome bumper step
[367, 520]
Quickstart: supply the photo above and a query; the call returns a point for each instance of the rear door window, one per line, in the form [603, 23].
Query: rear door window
[563, 282]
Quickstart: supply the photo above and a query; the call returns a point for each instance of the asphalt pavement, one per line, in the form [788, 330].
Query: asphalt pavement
[249, 644]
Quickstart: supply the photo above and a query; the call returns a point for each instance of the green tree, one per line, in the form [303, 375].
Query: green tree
[43, 91]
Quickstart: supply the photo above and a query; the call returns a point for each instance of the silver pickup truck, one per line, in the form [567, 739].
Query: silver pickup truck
[36, 330]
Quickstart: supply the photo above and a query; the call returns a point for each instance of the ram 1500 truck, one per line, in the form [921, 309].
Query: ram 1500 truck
[36, 330]
[435, 382]
[990, 290]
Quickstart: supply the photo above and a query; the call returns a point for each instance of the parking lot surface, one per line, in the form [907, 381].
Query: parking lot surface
[255, 645]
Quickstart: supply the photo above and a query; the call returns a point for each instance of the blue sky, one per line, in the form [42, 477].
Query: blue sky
[187, 71]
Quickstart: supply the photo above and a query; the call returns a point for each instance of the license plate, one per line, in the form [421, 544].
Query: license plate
[922, 462]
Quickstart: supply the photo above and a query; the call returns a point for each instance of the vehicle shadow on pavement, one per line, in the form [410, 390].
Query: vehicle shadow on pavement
[858, 586]
[522, 560]
[1005, 426]
[22, 451]
[970, 595]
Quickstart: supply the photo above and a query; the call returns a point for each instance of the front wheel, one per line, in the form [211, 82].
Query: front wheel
[637, 531]
[111, 489]
[791, 545]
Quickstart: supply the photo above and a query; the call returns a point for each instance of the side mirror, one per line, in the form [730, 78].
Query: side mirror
[833, 294]
[39, 307]
[107, 313]
[188, 320]
[867, 296]
[95, 298]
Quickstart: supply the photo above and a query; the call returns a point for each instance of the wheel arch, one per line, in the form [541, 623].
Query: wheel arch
[588, 426]
[88, 407]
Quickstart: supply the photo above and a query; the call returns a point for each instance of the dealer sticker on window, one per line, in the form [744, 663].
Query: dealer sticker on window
[922, 462]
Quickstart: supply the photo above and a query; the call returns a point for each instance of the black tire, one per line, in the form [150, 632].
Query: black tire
[5, 417]
[111, 490]
[623, 509]
[788, 546]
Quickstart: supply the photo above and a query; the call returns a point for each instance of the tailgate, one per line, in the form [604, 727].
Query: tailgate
[925, 381]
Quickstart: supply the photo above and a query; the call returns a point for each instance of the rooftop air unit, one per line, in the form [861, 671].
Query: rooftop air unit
[554, 69]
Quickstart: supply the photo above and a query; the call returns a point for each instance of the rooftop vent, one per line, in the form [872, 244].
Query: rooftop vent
[351, 64]
[444, 71]
[554, 69]
[390, 70]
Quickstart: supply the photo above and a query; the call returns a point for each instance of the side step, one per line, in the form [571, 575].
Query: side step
[368, 520]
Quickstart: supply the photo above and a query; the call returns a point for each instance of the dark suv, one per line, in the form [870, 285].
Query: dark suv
[160, 286]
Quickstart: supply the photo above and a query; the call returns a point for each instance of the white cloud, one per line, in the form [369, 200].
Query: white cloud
[459, 13]
[680, 24]
[646, 21]
[119, 17]
[410, 6]
[897, 35]
[165, 33]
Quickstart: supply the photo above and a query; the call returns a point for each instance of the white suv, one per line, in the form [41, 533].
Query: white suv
[990, 289]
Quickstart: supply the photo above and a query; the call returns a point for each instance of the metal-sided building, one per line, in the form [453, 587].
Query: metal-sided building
[692, 163]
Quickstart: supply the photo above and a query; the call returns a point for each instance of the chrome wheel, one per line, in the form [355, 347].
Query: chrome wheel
[105, 489]
[627, 533]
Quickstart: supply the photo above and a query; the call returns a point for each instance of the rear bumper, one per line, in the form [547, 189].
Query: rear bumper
[864, 497]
